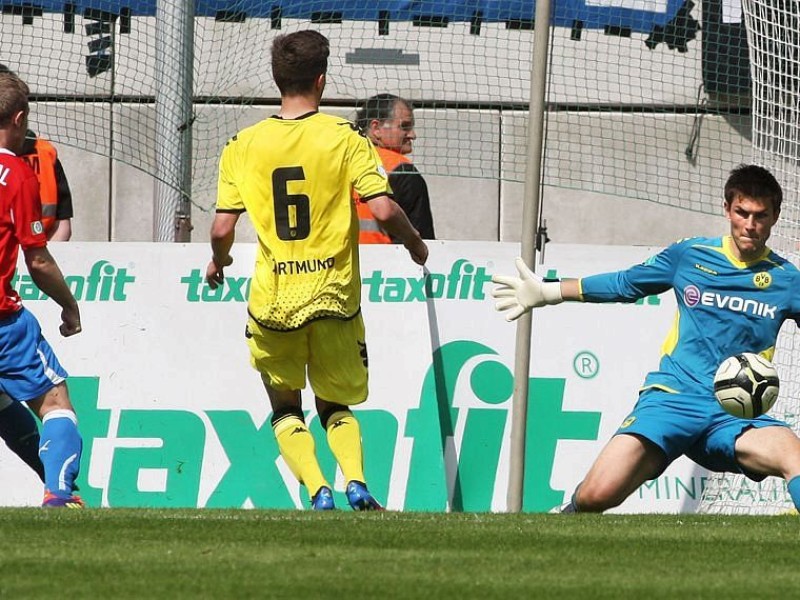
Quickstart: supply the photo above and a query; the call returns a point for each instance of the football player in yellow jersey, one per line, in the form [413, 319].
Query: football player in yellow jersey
[294, 173]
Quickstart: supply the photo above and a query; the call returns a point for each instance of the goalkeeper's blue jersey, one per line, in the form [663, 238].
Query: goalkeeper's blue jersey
[725, 306]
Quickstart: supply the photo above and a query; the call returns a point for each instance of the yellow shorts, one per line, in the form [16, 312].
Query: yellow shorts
[333, 351]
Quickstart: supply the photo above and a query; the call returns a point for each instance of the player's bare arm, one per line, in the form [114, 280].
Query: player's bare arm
[223, 233]
[393, 219]
[46, 274]
[62, 231]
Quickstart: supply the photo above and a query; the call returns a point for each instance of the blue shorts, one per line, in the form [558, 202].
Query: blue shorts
[694, 425]
[28, 366]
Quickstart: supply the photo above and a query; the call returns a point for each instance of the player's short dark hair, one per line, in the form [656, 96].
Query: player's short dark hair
[13, 97]
[379, 107]
[754, 181]
[298, 59]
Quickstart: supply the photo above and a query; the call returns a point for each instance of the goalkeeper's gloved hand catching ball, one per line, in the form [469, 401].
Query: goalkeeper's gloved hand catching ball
[518, 295]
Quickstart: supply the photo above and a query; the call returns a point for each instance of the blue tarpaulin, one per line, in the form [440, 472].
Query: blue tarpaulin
[516, 13]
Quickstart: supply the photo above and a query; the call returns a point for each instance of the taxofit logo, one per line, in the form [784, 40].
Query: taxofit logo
[465, 281]
[104, 283]
[233, 289]
[167, 457]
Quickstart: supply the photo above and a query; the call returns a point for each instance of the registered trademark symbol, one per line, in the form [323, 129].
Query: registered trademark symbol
[586, 365]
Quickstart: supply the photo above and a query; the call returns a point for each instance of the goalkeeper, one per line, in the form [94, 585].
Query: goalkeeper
[733, 295]
[294, 174]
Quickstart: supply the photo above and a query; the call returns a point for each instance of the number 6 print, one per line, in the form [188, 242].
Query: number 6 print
[292, 214]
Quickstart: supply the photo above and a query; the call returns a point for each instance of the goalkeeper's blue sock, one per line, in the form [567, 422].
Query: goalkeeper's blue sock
[60, 451]
[794, 490]
[19, 431]
[572, 506]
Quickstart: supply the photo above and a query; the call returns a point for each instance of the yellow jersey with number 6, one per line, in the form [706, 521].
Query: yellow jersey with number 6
[295, 179]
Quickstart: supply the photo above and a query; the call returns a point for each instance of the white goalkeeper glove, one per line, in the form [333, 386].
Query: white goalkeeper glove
[518, 295]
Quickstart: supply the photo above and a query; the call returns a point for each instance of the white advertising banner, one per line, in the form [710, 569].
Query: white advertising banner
[172, 414]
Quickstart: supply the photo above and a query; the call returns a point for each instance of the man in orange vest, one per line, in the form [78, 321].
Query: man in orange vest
[388, 121]
[54, 189]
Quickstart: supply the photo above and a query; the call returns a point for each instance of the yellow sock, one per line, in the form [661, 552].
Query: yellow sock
[344, 439]
[297, 448]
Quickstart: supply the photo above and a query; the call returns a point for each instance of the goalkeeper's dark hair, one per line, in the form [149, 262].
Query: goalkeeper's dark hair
[754, 181]
[13, 96]
[298, 59]
[377, 108]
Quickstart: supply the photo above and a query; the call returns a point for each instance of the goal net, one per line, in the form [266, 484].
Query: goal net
[773, 33]
[639, 104]
[653, 100]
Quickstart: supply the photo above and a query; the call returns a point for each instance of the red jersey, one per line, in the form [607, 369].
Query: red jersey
[20, 223]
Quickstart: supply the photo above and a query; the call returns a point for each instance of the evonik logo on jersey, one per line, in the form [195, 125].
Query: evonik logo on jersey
[692, 296]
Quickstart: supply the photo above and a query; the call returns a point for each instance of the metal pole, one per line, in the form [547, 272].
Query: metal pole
[174, 85]
[530, 218]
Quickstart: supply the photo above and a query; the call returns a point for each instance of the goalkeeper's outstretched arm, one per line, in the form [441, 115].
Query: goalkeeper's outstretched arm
[518, 295]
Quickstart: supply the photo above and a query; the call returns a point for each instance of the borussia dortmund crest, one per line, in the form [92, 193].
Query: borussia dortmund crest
[762, 280]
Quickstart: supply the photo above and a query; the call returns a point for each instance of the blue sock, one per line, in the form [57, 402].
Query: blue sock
[794, 490]
[572, 507]
[19, 431]
[60, 451]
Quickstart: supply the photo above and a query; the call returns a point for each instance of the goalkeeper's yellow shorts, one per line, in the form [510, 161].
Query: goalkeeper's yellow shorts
[333, 351]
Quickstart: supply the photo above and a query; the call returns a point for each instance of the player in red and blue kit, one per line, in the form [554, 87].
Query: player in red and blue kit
[733, 295]
[29, 369]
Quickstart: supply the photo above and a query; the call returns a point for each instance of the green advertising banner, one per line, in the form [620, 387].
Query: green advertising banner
[172, 414]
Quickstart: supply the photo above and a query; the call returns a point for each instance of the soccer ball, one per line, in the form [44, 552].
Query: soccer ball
[746, 385]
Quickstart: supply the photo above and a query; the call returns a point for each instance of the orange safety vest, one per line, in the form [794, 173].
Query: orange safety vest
[369, 230]
[43, 162]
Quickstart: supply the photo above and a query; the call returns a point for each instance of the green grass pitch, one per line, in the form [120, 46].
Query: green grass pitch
[151, 554]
